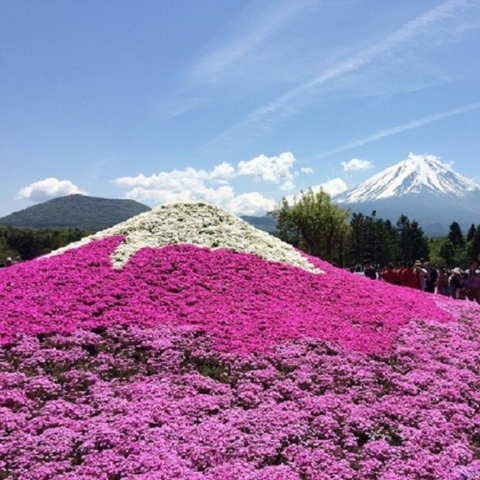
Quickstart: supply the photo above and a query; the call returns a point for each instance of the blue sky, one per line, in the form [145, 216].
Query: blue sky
[234, 102]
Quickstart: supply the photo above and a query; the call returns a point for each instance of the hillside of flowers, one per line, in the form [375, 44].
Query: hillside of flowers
[194, 361]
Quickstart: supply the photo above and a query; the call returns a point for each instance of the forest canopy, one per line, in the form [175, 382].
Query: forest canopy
[27, 243]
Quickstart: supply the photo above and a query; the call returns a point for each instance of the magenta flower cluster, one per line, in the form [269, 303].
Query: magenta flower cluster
[246, 303]
[195, 364]
[160, 403]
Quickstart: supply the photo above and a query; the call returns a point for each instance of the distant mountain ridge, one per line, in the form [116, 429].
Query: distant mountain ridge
[76, 211]
[420, 187]
[93, 214]
[265, 223]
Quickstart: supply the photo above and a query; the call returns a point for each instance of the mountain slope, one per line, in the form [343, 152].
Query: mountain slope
[265, 223]
[421, 187]
[75, 211]
[417, 174]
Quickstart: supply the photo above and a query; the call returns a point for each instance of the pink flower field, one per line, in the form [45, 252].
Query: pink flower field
[199, 363]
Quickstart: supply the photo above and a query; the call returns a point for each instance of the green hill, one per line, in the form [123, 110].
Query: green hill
[75, 211]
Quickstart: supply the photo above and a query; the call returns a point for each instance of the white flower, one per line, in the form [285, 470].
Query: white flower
[197, 224]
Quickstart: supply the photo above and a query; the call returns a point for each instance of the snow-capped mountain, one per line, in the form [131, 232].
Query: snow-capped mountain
[417, 174]
[421, 187]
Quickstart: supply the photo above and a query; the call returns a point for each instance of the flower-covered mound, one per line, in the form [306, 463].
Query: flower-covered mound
[196, 224]
[206, 362]
[246, 303]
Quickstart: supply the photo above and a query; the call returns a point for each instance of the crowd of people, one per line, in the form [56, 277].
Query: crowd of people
[455, 283]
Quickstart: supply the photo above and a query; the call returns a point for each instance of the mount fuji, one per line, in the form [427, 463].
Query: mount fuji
[422, 188]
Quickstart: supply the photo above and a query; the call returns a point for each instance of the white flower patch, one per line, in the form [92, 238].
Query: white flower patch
[197, 224]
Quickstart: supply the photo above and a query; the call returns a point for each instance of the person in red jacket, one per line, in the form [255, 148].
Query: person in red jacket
[409, 277]
[399, 271]
[389, 274]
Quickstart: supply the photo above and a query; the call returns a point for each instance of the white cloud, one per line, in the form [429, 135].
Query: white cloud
[251, 204]
[217, 196]
[180, 185]
[221, 196]
[176, 179]
[356, 164]
[332, 187]
[291, 199]
[270, 169]
[47, 189]
[306, 170]
[213, 186]
[222, 172]
[160, 197]
[189, 177]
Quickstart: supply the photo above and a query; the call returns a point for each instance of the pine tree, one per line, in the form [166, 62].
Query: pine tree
[356, 244]
[473, 248]
[447, 252]
[471, 232]
[412, 241]
[455, 235]
[372, 238]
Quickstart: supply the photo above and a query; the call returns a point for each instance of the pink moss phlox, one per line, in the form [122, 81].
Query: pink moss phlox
[247, 303]
[160, 403]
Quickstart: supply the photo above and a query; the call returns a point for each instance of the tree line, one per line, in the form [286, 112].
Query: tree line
[26, 243]
[321, 228]
[460, 249]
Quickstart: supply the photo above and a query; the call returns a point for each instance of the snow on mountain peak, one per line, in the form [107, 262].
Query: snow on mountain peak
[416, 174]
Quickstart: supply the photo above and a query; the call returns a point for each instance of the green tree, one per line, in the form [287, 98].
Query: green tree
[372, 238]
[314, 224]
[26, 243]
[473, 248]
[471, 232]
[386, 243]
[391, 242]
[29, 243]
[412, 241]
[447, 252]
[419, 241]
[455, 235]
[356, 241]
[403, 227]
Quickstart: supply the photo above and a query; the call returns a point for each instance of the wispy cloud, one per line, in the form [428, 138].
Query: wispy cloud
[298, 97]
[178, 107]
[388, 132]
[253, 30]
[236, 53]
[406, 34]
